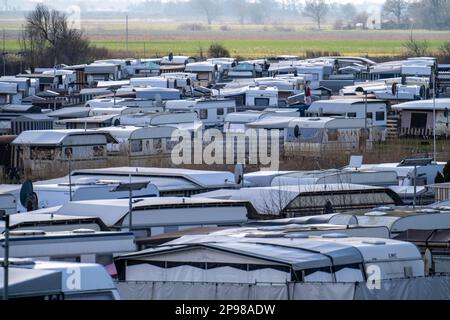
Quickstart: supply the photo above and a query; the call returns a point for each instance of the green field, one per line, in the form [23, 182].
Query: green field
[258, 48]
[251, 48]
[157, 38]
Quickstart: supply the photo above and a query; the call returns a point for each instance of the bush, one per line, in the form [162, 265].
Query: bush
[444, 52]
[416, 48]
[216, 50]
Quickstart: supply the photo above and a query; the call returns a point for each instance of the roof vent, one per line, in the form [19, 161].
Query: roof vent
[428, 211]
[265, 235]
[297, 235]
[271, 228]
[334, 235]
[374, 242]
[26, 233]
[375, 213]
[384, 209]
[83, 231]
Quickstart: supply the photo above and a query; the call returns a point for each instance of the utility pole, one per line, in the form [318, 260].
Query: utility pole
[415, 186]
[126, 32]
[130, 206]
[434, 111]
[4, 53]
[5, 217]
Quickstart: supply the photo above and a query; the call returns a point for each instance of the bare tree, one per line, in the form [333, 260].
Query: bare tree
[397, 9]
[241, 9]
[208, 7]
[47, 39]
[316, 9]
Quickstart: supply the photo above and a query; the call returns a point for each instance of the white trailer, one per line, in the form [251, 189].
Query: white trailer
[374, 111]
[211, 112]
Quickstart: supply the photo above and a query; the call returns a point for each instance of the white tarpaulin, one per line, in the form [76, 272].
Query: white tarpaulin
[229, 291]
[436, 288]
[322, 291]
[422, 288]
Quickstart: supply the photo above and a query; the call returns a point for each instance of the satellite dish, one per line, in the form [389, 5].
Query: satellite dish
[238, 173]
[355, 162]
[28, 198]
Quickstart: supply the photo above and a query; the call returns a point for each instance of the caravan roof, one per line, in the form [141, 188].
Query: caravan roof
[204, 66]
[46, 219]
[425, 105]
[274, 200]
[316, 122]
[397, 219]
[342, 102]
[113, 211]
[57, 137]
[201, 178]
[122, 133]
[313, 252]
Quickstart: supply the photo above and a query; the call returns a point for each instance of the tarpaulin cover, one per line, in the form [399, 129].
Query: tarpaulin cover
[436, 288]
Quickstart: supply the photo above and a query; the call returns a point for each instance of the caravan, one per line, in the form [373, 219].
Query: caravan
[211, 112]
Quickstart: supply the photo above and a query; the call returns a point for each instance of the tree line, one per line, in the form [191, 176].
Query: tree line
[398, 14]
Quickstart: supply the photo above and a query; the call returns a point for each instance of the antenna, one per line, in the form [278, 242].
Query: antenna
[239, 174]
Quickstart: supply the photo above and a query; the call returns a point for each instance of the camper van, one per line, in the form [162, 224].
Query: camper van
[79, 245]
[206, 72]
[374, 111]
[252, 97]
[211, 112]
[52, 194]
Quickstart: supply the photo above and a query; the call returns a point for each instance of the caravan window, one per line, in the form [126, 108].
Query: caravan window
[262, 102]
[203, 114]
[333, 135]
[379, 116]
[136, 146]
[231, 110]
[240, 100]
[220, 111]
[351, 114]
[42, 153]
[203, 76]
[369, 115]
[157, 144]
